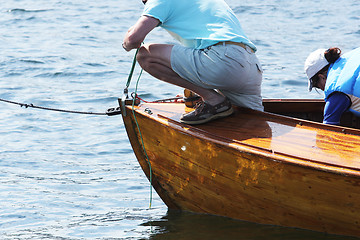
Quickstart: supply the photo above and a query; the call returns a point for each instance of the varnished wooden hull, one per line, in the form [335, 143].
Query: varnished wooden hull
[253, 166]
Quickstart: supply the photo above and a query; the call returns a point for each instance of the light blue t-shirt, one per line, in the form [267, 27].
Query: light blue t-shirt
[198, 23]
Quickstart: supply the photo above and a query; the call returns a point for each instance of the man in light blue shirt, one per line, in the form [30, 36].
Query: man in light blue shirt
[216, 59]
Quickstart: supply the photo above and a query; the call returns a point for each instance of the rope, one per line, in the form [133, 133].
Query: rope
[137, 124]
[141, 138]
[50, 109]
[110, 112]
[132, 70]
[174, 99]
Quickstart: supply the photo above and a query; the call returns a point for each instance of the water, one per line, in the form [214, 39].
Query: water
[69, 176]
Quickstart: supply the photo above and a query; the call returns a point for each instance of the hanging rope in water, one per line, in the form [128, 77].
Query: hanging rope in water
[137, 124]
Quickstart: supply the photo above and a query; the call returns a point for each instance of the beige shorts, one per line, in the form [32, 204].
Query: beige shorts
[233, 70]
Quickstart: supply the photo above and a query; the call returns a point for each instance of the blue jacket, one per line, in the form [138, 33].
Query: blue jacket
[344, 76]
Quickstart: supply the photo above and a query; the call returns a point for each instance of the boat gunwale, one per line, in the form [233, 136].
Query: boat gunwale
[256, 150]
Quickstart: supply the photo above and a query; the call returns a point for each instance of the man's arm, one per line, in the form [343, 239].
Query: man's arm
[137, 33]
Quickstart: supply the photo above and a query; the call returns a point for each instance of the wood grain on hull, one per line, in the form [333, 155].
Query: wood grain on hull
[252, 166]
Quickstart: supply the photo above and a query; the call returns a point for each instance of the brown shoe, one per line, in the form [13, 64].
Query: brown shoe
[204, 112]
[191, 98]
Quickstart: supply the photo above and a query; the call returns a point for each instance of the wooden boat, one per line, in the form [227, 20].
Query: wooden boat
[279, 167]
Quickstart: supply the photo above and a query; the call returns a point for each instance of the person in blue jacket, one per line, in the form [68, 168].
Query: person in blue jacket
[216, 60]
[339, 77]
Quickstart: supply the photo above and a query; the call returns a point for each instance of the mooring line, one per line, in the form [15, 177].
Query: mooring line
[50, 109]
[110, 112]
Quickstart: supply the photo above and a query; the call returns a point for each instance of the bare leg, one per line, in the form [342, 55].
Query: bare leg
[156, 60]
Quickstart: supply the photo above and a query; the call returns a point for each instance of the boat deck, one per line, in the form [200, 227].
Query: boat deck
[293, 139]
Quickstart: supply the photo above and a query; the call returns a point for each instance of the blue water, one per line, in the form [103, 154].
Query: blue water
[72, 176]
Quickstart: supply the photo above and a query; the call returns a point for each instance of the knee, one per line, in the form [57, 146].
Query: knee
[143, 57]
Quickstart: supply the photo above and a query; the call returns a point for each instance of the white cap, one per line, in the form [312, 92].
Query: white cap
[314, 63]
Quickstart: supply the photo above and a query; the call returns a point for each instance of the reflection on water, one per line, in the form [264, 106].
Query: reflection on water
[188, 226]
